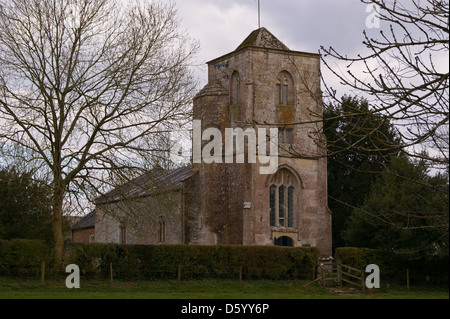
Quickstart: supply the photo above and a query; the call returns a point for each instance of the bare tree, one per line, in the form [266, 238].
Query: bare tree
[86, 85]
[404, 74]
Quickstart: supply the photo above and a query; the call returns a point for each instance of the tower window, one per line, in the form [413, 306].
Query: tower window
[281, 205]
[285, 94]
[235, 88]
[282, 199]
[235, 95]
[273, 210]
[279, 94]
[284, 89]
[282, 94]
[285, 135]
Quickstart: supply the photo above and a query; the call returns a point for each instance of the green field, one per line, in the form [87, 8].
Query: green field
[203, 289]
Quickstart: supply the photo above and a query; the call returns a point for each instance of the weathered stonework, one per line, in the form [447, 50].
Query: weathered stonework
[138, 221]
[146, 210]
[83, 235]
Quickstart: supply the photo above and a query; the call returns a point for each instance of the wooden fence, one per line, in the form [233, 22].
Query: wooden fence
[350, 275]
[331, 273]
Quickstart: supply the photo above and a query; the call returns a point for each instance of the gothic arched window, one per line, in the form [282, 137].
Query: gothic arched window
[235, 95]
[285, 89]
[162, 229]
[122, 234]
[235, 87]
[282, 198]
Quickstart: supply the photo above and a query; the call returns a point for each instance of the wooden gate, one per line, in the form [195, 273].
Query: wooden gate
[331, 274]
[350, 275]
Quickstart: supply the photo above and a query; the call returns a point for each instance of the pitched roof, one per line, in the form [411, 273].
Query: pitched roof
[261, 39]
[155, 181]
[86, 222]
[264, 39]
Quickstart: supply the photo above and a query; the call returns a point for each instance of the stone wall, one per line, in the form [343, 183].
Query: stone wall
[83, 235]
[142, 220]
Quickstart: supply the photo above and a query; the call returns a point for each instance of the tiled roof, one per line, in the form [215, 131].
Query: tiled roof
[155, 181]
[86, 222]
[262, 38]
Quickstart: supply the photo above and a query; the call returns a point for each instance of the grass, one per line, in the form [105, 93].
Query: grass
[203, 289]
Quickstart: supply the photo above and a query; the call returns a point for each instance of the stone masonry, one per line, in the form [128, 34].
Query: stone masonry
[234, 201]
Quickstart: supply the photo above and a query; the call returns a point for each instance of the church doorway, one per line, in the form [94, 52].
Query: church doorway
[284, 241]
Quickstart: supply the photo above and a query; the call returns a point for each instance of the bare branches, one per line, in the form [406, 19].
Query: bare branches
[84, 85]
[76, 95]
[403, 75]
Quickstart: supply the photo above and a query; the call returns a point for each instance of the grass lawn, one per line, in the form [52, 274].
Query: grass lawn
[202, 289]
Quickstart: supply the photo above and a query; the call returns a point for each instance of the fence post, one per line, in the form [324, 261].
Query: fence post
[296, 277]
[42, 274]
[339, 273]
[240, 276]
[111, 274]
[322, 273]
[407, 278]
[363, 280]
[314, 272]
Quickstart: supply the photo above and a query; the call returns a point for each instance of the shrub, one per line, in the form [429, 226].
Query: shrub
[431, 269]
[218, 261]
[23, 257]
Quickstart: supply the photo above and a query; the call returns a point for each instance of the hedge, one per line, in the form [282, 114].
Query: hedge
[432, 269]
[219, 261]
[23, 257]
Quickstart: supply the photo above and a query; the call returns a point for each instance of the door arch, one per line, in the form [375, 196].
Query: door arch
[284, 241]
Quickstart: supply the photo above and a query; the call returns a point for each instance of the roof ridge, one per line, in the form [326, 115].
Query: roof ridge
[153, 181]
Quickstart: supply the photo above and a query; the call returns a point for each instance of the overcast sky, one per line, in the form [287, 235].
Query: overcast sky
[303, 25]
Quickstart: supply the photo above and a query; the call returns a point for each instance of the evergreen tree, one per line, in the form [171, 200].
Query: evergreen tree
[359, 145]
[406, 211]
[25, 210]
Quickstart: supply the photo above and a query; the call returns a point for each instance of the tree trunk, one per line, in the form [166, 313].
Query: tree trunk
[58, 196]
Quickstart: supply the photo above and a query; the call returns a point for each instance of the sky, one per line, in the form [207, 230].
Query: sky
[303, 25]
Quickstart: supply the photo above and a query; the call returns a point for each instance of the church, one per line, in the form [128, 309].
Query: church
[262, 84]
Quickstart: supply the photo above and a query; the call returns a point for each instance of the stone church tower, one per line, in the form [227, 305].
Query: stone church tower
[262, 84]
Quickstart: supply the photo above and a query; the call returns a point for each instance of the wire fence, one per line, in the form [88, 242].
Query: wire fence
[179, 273]
[110, 272]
